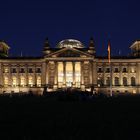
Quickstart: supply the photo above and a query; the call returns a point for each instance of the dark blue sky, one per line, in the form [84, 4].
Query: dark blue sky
[24, 24]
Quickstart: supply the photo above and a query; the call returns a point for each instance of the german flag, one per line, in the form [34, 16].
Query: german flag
[109, 52]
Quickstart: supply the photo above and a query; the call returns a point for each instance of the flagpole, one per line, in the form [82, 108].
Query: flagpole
[110, 80]
[109, 61]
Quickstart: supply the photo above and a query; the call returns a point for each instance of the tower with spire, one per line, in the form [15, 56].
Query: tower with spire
[4, 48]
[91, 48]
[46, 49]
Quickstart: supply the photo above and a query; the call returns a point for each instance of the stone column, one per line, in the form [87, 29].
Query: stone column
[1, 73]
[34, 75]
[73, 64]
[94, 73]
[26, 73]
[138, 77]
[104, 74]
[1, 78]
[91, 73]
[121, 77]
[46, 73]
[129, 73]
[64, 68]
[43, 74]
[82, 74]
[56, 73]
[18, 75]
[10, 76]
[138, 74]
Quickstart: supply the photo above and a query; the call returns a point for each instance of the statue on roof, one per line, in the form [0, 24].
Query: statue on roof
[4, 48]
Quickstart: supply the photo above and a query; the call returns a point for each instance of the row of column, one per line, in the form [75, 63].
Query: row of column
[65, 71]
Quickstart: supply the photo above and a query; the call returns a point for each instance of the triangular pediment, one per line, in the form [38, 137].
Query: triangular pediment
[69, 52]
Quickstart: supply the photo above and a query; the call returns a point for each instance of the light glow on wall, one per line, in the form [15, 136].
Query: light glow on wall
[39, 81]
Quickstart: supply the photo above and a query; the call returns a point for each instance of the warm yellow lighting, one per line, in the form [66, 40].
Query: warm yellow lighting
[39, 81]
[6, 70]
[134, 91]
[99, 85]
[22, 81]
[69, 74]
[77, 74]
[6, 81]
[14, 81]
[30, 81]
[132, 70]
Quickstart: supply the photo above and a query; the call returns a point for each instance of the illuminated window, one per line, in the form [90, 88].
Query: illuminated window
[116, 81]
[124, 81]
[22, 81]
[100, 81]
[14, 81]
[6, 70]
[39, 81]
[30, 81]
[6, 81]
[133, 70]
[133, 81]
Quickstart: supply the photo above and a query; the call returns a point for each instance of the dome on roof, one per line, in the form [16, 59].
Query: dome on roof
[70, 43]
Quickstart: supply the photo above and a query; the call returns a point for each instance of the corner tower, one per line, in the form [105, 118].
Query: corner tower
[4, 48]
[46, 49]
[91, 48]
[135, 48]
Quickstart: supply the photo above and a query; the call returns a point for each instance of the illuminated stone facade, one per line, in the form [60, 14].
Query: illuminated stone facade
[71, 65]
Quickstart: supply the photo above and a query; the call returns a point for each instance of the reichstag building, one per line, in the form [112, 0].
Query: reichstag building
[70, 65]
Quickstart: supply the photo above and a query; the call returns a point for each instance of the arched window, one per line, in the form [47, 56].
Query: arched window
[100, 82]
[133, 81]
[22, 81]
[116, 81]
[124, 81]
[38, 81]
[108, 81]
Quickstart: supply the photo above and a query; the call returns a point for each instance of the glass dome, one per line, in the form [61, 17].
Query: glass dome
[70, 43]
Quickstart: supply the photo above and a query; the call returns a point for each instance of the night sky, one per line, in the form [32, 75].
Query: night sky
[24, 24]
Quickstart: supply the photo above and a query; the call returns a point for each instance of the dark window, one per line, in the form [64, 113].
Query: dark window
[107, 70]
[124, 70]
[14, 70]
[116, 81]
[133, 81]
[30, 70]
[116, 70]
[108, 81]
[124, 81]
[38, 70]
[99, 69]
[22, 70]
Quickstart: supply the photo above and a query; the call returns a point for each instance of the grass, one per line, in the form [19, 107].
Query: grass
[69, 116]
